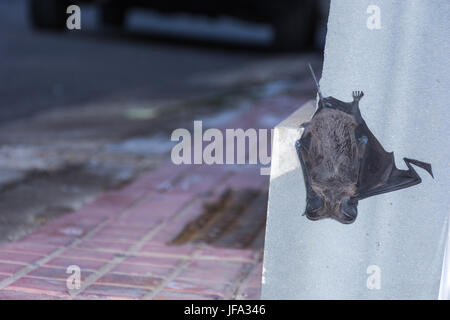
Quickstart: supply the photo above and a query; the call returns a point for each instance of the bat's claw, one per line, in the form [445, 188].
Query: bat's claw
[357, 95]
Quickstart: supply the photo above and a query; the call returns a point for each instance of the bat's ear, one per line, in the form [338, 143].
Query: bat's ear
[357, 95]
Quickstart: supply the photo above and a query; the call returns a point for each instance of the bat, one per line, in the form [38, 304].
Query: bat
[343, 162]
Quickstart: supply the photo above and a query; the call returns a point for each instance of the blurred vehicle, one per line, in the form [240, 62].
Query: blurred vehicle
[294, 21]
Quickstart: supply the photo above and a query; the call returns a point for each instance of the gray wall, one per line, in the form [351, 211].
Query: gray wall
[404, 70]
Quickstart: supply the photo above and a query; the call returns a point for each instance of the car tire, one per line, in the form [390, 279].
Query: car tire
[48, 14]
[113, 15]
[294, 29]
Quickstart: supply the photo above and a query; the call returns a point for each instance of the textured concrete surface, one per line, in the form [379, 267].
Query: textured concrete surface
[404, 71]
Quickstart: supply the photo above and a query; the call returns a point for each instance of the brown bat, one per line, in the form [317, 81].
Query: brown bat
[343, 162]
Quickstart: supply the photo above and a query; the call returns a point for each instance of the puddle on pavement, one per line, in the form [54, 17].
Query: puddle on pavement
[42, 196]
[236, 220]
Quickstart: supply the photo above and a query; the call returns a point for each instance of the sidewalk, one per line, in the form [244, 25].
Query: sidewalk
[122, 239]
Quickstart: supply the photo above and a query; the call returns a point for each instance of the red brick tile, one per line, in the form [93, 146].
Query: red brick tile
[10, 268]
[178, 223]
[244, 180]
[198, 287]
[142, 270]
[155, 178]
[104, 246]
[46, 239]
[153, 248]
[129, 280]
[153, 261]
[17, 295]
[71, 226]
[129, 239]
[87, 254]
[125, 230]
[55, 273]
[197, 181]
[228, 254]
[84, 264]
[113, 292]
[168, 295]
[213, 275]
[251, 293]
[27, 247]
[157, 208]
[8, 256]
[118, 223]
[210, 269]
[3, 277]
[112, 203]
[255, 277]
[39, 286]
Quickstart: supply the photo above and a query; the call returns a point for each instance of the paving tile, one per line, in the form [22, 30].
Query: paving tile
[87, 254]
[27, 247]
[142, 270]
[200, 179]
[12, 256]
[17, 295]
[126, 280]
[154, 179]
[154, 248]
[55, 273]
[245, 180]
[255, 277]
[84, 264]
[153, 261]
[10, 268]
[40, 286]
[198, 286]
[228, 254]
[46, 239]
[100, 291]
[128, 239]
[168, 295]
[209, 276]
[251, 293]
[111, 203]
[3, 277]
[157, 208]
[125, 230]
[104, 246]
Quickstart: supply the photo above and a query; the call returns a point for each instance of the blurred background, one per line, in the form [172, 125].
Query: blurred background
[86, 110]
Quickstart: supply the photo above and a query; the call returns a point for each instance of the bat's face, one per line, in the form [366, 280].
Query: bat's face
[333, 202]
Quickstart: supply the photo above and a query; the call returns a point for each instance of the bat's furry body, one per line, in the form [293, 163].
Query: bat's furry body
[334, 153]
[343, 162]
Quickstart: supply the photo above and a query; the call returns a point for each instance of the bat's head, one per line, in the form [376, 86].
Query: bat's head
[333, 202]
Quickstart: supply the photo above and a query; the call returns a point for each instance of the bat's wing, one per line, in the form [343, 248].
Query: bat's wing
[378, 173]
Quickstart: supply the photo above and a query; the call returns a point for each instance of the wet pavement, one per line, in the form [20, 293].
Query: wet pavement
[175, 232]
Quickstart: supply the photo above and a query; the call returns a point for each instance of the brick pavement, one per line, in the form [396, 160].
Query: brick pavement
[121, 239]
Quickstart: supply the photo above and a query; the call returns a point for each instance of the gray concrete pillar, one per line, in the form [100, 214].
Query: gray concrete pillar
[397, 52]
